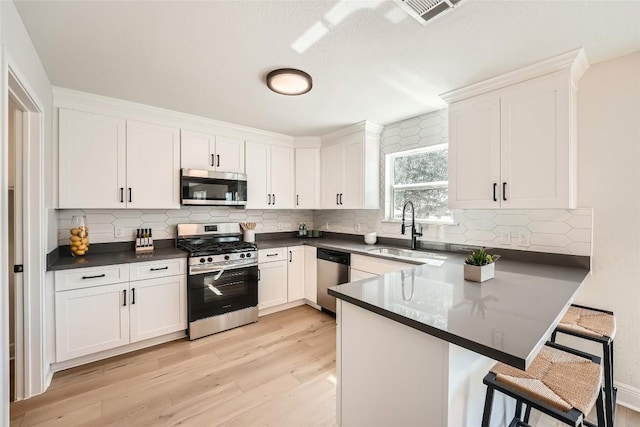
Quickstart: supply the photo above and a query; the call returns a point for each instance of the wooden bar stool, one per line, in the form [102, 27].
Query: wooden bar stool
[596, 325]
[562, 382]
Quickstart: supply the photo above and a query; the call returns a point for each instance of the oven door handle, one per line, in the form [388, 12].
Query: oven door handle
[196, 269]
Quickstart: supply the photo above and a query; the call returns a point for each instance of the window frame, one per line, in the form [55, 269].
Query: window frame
[391, 187]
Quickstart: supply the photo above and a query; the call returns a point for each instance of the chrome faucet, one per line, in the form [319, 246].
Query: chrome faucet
[414, 232]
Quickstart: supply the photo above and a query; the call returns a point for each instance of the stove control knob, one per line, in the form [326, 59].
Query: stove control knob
[226, 257]
[241, 255]
[249, 255]
[202, 260]
[209, 259]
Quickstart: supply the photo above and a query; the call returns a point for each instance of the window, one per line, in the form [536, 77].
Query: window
[419, 176]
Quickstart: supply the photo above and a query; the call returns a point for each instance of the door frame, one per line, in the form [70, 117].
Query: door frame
[32, 374]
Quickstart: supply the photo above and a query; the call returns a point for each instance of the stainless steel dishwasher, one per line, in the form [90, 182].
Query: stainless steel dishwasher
[333, 269]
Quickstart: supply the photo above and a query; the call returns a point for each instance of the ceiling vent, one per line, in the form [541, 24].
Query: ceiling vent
[426, 10]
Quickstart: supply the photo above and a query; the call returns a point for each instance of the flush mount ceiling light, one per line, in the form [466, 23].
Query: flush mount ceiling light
[289, 81]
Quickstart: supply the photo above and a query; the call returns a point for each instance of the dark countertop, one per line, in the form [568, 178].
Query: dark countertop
[507, 318]
[124, 256]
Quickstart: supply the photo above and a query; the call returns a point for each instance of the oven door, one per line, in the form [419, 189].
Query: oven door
[222, 291]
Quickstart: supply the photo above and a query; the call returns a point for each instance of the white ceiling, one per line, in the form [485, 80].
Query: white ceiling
[369, 60]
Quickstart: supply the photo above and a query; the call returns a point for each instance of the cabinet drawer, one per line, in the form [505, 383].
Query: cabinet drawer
[152, 269]
[376, 265]
[89, 277]
[269, 255]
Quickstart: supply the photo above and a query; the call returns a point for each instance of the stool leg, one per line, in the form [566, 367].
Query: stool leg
[488, 403]
[608, 383]
[527, 414]
[518, 409]
[553, 336]
[600, 410]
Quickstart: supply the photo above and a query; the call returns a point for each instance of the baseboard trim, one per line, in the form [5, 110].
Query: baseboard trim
[61, 366]
[628, 396]
[277, 308]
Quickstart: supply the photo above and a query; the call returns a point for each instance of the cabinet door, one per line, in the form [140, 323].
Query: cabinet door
[536, 144]
[157, 307]
[258, 179]
[92, 157]
[153, 166]
[307, 178]
[474, 154]
[310, 274]
[282, 177]
[331, 166]
[229, 154]
[355, 275]
[295, 273]
[272, 287]
[353, 174]
[91, 320]
[197, 150]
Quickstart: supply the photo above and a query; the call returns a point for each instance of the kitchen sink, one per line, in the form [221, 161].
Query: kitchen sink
[424, 257]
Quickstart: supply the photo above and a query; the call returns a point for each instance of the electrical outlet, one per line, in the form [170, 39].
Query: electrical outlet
[505, 238]
[119, 231]
[279, 226]
[524, 238]
[357, 227]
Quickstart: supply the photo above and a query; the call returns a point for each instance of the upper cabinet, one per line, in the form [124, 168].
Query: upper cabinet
[270, 176]
[109, 163]
[307, 178]
[350, 174]
[512, 139]
[211, 152]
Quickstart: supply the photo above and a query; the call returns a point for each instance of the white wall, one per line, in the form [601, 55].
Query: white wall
[609, 182]
[20, 55]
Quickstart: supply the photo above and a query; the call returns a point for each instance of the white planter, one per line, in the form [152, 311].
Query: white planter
[477, 273]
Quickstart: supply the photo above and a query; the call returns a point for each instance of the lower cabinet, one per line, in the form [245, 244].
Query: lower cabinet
[355, 275]
[282, 275]
[364, 267]
[311, 274]
[92, 316]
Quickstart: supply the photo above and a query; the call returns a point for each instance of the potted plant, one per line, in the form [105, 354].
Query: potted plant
[479, 266]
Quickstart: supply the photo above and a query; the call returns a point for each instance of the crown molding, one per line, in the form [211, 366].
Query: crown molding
[365, 126]
[575, 62]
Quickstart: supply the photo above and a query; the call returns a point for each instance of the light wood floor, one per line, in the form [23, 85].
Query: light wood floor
[277, 372]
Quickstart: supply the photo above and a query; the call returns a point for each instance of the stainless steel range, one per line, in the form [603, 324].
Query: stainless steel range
[222, 282]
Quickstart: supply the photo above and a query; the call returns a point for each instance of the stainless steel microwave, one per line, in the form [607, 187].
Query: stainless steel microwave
[200, 187]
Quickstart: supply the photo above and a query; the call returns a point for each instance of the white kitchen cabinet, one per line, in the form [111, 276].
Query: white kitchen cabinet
[270, 176]
[153, 166]
[205, 151]
[350, 168]
[272, 286]
[356, 275]
[92, 160]
[158, 307]
[375, 265]
[307, 178]
[89, 320]
[311, 273]
[514, 146]
[93, 315]
[108, 162]
[296, 273]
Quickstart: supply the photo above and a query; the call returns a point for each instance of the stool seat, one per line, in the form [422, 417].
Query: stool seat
[592, 323]
[559, 379]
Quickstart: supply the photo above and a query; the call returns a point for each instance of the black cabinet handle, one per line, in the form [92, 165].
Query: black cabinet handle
[133, 296]
[290, 256]
[213, 162]
[337, 198]
[124, 300]
[161, 268]
[258, 275]
[93, 277]
[121, 194]
[272, 254]
[274, 199]
[297, 199]
[504, 191]
[269, 202]
[340, 198]
[218, 157]
[495, 185]
[130, 192]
